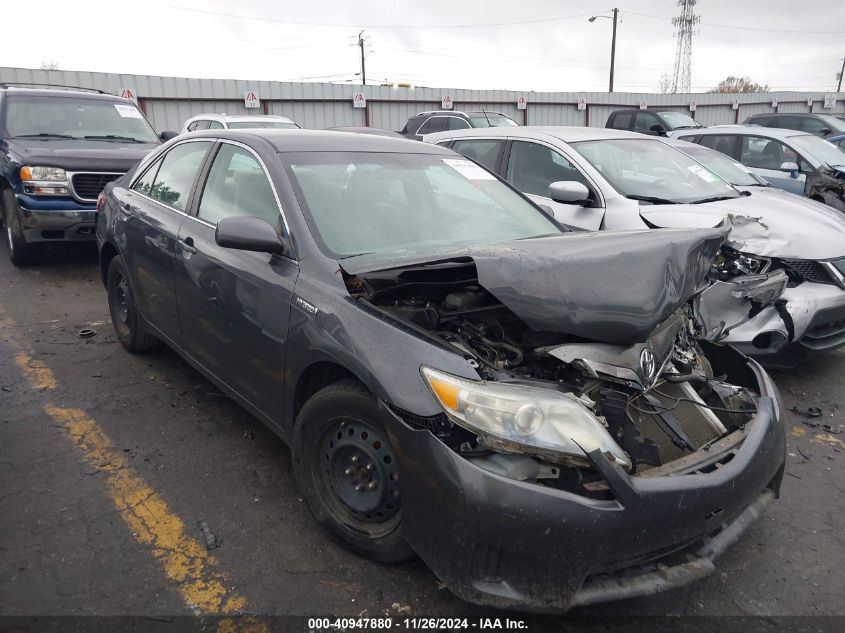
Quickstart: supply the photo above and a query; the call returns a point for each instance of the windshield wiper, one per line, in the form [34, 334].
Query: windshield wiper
[652, 199]
[113, 137]
[713, 199]
[45, 135]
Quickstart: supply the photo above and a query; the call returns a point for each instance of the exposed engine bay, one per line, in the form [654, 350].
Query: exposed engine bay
[661, 400]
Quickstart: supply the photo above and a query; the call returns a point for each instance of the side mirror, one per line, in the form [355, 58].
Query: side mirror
[824, 131]
[249, 234]
[658, 129]
[792, 168]
[167, 135]
[569, 192]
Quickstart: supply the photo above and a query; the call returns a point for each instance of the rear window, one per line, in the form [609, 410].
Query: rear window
[622, 121]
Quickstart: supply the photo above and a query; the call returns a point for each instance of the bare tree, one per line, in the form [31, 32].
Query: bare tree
[51, 65]
[739, 84]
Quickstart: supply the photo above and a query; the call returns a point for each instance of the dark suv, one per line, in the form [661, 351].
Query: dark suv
[653, 122]
[823, 125]
[58, 149]
[442, 120]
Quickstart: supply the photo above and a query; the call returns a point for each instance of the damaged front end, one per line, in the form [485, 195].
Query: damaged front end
[575, 468]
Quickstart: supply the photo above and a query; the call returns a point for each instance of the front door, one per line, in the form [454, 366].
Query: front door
[765, 157]
[532, 167]
[234, 306]
[149, 217]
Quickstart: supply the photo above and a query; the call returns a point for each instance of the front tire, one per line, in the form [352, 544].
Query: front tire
[20, 252]
[347, 471]
[124, 311]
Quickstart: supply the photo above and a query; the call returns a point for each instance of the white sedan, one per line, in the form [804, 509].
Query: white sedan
[593, 178]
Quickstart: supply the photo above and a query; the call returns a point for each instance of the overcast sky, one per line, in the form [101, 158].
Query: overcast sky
[517, 45]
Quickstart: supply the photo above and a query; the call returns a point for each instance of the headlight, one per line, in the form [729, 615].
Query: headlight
[522, 419]
[44, 181]
[43, 173]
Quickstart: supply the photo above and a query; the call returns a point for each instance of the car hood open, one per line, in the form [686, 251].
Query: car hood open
[612, 287]
[768, 222]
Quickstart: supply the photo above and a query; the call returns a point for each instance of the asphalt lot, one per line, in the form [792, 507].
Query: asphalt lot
[108, 461]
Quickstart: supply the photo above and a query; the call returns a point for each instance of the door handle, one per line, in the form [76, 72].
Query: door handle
[187, 245]
[125, 208]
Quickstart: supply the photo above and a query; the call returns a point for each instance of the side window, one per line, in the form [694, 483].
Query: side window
[175, 177]
[238, 186]
[192, 126]
[425, 128]
[765, 153]
[202, 124]
[483, 152]
[644, 121]
[215, 125]
[438, 124]
[725, 143]
[457, 123]
[814, 126]
[144, 184]
[533, 167]
[622, 121]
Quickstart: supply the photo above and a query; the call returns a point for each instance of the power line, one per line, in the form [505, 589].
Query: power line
[738, 28]
[241, 16]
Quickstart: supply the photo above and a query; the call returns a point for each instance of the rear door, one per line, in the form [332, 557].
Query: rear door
[532, 166]
[147, 227]
[234, 306]
[766, 155]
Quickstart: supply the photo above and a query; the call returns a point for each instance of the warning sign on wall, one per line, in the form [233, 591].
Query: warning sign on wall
[129, 93]
[251, 99]
[359, 100]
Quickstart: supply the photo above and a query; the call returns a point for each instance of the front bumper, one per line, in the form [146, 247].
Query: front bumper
[511, 544]
[57, 225]
[809, 318]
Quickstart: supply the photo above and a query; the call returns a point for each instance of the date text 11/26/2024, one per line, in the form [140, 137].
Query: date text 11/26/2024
[418, 623]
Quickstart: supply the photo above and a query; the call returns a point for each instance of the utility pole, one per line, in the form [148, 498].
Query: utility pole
[613, 48]
[841, 70]
[363, 66]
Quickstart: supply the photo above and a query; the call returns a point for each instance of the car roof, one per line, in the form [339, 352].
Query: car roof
[324, 141]
[757, 130]
[220, 116]
[61, 92]
[567, 134]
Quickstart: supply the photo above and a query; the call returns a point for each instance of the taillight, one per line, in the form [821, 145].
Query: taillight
[101, 201]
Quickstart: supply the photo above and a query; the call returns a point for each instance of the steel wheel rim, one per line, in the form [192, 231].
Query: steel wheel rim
[361, 471]
[121, 300]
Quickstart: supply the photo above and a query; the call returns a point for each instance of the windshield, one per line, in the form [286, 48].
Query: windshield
[358, 202]
[724, 167]
[102, 119]
[817, 148]
[276, 125]
[490, 119]
[646, 169]
[678, 121]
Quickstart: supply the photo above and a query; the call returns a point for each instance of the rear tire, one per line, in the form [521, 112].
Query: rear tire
[124, 311]
[346, 470]
[20, 252]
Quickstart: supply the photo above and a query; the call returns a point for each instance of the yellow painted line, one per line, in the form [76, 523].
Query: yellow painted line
[827, 438]
[39, 375]
[798, 431]
[186, 562]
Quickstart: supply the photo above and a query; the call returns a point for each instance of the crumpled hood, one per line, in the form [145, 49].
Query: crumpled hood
[770, 222]
[77, 154]
[613, 287]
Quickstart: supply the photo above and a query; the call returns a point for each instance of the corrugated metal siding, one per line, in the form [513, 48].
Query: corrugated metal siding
[171, 100]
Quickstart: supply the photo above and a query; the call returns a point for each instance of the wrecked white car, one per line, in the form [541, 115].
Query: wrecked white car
[779, 290]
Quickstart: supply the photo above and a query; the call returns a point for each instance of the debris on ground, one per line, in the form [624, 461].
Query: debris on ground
[87, 332]
[211, 541]
[249, 434]
[809, 412]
